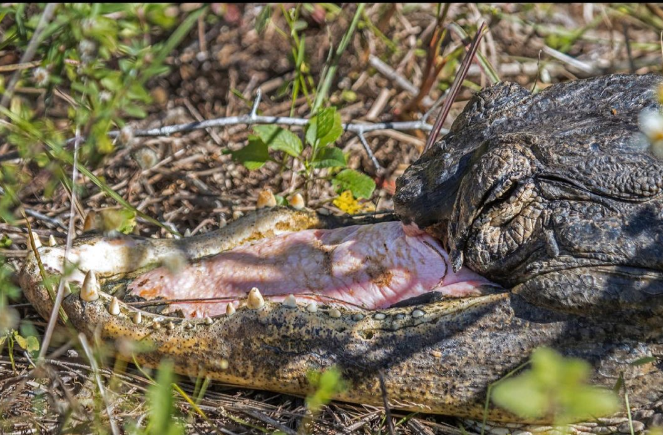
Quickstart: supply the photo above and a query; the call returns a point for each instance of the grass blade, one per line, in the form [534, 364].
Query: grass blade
[326, 81]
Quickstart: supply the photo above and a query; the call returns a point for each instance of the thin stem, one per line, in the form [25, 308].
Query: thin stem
[326, 83]
[70, 237]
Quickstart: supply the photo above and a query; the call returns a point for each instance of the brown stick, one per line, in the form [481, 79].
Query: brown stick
[455, 88]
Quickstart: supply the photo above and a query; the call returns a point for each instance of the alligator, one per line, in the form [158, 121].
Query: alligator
[536, 221]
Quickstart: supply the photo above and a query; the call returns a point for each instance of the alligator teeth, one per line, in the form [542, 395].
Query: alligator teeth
[156, 325]
[187, 233]
[230, 309]
[399, 316]
[379, 316]
[170, 325]
[255, 300]
[290, 301]
[114, 307]
[237, 214]
[266, 199]
[312, 307]
[335, 313]
[51, 241]
[36, 239]
[357, 317]
[137, 318]
[297, 202]
[208, 320]
[90, 288]
[223, 364]
[417, 313]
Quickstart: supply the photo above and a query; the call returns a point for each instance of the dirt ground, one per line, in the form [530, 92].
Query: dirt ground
[195, 186]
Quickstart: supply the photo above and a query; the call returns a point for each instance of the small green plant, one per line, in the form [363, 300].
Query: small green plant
[29, 343]
[326, 384]
[97, 58]
[555, 386]
[161, 407]
[321, 132]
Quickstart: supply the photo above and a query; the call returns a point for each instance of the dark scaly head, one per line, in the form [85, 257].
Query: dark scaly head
[555, 194]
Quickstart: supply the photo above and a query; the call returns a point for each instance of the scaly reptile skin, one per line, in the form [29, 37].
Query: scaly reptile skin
[439, 356]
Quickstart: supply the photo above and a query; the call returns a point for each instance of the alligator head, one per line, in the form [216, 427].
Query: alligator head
[549, 200]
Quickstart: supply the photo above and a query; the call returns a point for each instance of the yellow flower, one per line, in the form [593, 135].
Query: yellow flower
[347, 203]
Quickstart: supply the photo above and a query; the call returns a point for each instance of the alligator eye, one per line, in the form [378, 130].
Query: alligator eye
[500, 192]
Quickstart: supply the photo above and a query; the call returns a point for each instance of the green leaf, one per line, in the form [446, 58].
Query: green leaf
[329, 157]
[361, 185]
[135, 111]
[555, 386]
[327, 385]
[644, 360]
[522, 395]
[279, 139]
[30, 344]
[33, 344]
[263, 18]
[254, 155]
[324, 128]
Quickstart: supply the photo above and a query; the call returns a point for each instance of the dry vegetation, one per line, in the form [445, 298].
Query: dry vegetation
[388, 72]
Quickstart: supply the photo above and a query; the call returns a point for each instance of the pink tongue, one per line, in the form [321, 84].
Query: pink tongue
[371, 266]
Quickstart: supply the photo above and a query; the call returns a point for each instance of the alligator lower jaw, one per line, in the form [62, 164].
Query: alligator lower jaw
[437, 357]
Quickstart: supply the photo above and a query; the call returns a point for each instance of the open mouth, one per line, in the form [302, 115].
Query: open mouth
[358, 267]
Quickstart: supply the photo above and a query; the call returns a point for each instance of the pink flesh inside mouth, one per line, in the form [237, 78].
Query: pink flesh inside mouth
[365, 266]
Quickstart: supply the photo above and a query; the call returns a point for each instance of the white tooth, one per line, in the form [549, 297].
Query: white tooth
[156, 325]
[37, 240]
[266, 199]
[335, 313]
[51, 241]
[137, 318]
[230, 309]
[312, 307]
[187, 233]
[290, 302]
[255, 300]
[379, 316]
[223, 364]
[170, 325]
[208, 320]
[90, 288]
[222, 222]
[114, 307]
[297, 202]
[417, 313]
[237, 214]
[399, 316]
[357, 317]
